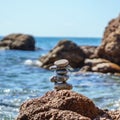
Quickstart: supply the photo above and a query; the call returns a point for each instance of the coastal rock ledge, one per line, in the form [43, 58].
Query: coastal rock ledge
[18, 42]
[64, 105]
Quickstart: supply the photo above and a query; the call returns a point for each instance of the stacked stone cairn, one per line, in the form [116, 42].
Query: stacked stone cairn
[61, 68]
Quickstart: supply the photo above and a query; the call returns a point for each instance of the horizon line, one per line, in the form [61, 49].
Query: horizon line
[54, 36]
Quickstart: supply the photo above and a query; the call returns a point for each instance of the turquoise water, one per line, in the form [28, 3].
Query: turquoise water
[19, 82]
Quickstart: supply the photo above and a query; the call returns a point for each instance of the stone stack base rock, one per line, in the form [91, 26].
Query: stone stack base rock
[64, 105]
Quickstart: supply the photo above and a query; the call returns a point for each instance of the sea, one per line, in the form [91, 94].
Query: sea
[21, 79]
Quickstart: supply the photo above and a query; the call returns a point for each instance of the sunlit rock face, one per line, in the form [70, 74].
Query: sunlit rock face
[59, 105]
[65, 49]
[64, 105]
[18, 42]
[110, 46]
[99, 65]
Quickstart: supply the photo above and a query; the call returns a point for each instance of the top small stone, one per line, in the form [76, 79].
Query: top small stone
[61, 63]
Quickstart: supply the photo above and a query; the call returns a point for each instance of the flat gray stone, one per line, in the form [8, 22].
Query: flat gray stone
[61, 63]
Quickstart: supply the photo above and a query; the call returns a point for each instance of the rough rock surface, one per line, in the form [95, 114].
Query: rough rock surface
[18, 41]
[64, 105]
[113, 25]
[89, 51]
[110, 47]
[109, 115]
[100, 65]
[65, 49]
[59, 105]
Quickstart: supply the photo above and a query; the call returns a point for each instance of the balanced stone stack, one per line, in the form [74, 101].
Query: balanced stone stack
[61, 68]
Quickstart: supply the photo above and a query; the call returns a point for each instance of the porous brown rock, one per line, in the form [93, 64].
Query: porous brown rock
[18, 42]
[64, 105]
[100, 65]
[59, 105]
[110, 46]
[65, 49]
[113, 25]
[109, 115]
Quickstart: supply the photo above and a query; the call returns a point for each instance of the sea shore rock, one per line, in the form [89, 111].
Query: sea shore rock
[113, 25]
[18, 42]
[99, 65]
[104, 58]
[65, 49]
[64, 105]
[59, 105]
[110, 46]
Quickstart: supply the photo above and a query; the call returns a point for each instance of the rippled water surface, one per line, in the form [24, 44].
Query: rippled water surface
[19, 82]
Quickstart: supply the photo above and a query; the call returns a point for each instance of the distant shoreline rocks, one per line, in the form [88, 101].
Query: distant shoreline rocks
[104, 58]
[18, 42]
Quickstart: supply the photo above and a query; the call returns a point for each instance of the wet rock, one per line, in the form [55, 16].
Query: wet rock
[18, 42]
[110, 47]
[100, 65]
[65, 49]
[59, 105]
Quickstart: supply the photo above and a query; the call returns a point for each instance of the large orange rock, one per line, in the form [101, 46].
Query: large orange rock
[64, 105]
[113, 25]
[59, 105]
[110, 47]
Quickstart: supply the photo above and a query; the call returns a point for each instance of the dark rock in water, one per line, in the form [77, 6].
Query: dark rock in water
[100, 65]
[89, 51]
[110, 47]
[65, 49]
[18, 42]
[64, 105]
[59, 105]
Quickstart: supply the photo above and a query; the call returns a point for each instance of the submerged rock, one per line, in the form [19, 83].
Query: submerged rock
[64, 105]
[65, 49]
[18, 42]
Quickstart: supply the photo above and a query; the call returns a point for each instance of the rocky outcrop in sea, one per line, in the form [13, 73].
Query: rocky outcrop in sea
[65, 49]
[110, 46]
[64, 105]
[18, 42]
[104, 58]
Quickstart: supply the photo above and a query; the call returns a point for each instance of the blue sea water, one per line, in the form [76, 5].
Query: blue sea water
[20, 81]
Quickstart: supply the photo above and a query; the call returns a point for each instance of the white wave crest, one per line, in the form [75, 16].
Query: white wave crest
[33, 62]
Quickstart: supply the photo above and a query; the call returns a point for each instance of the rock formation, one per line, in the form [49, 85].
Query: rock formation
[99, 65]
[89, 51]
[110, 47]
[56, 105]
[65, 49]
[18, 42]
[64, 105]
